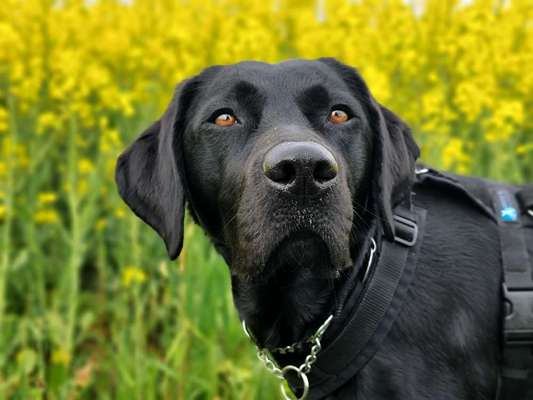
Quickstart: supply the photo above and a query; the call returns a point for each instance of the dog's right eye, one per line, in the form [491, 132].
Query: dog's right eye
[338, 116]
[224, 118]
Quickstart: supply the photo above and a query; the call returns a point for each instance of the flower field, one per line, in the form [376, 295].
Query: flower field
[90, 306]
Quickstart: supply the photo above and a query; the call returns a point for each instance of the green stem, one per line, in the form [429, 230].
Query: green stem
[76, 248]
[7, 224]
[138, 311]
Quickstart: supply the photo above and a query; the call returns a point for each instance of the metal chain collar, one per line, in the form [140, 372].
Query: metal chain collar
[265, 355]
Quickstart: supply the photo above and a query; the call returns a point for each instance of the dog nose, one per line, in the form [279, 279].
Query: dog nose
[300, 167]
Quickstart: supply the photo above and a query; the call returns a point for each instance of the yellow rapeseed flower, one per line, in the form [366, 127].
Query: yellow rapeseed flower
[523, 149]
[4, 125]
[46, 216]
[61, 357]
[47, 121]
[119, 212]
[454, 154]
[110, 140]
[44, 198]
[132, 275]
[85, 166]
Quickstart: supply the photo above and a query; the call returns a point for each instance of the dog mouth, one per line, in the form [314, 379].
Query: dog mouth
[302, 250]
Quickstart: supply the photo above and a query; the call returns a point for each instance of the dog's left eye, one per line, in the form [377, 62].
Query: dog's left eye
[338, 116]
[224, 118]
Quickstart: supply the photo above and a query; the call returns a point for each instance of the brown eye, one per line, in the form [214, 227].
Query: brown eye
[225, 120]
[338, 117]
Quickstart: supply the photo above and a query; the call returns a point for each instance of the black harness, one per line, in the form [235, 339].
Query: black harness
[513, 206]
[381, 299]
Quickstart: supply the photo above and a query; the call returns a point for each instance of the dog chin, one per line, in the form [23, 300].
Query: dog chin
[303, 250]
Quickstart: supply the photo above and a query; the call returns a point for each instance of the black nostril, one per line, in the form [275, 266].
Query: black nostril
[325, 170]
[283, 172]
[300, 167]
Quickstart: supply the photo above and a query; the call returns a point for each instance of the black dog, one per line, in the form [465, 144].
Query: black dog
[291, 169]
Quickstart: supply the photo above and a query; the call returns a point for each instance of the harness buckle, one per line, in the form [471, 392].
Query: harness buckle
[405, 231]
[518, 316]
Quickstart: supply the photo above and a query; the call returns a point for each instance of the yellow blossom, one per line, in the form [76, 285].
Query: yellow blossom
[46, 216]
[455, 153]
[47, 121]
[132, 275]
[61, 357]
[3, 120]
[109, 140]
[525, 148]
[119, 212]
[85, 166]
[45, 198]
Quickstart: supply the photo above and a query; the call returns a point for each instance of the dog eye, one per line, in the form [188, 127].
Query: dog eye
[225, 119]
[338, 116]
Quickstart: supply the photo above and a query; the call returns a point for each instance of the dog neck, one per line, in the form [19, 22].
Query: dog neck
[282, 310]
[294, 302]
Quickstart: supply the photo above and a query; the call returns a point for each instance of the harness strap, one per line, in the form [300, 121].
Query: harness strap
[517, 360]
[513, 245]
[450, 183]
[381, 303]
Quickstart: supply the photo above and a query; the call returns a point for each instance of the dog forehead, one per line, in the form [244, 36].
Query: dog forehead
[278, 79]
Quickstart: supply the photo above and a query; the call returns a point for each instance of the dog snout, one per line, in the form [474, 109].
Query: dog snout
[301, 168]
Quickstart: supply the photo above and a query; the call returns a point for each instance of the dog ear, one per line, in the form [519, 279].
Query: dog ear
[395, 150]
[149, 173]
[395, 155]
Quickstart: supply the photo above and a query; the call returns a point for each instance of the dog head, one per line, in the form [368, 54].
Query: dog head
[280, 164]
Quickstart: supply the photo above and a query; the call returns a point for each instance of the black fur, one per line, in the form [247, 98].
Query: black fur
[293, 259]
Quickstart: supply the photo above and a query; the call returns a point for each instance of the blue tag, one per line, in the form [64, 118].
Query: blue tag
[509, 214]
[507, 206]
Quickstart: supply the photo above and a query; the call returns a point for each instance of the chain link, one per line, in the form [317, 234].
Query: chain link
[269, 363]
[311, 358]
[286, 349]
[265, 356]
